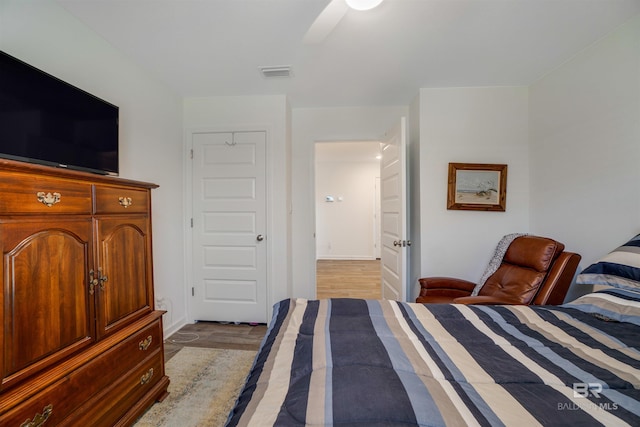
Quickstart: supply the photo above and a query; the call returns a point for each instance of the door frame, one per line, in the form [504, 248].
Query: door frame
[398, 132]
[377, 222]
[187, 206]
[377, 235]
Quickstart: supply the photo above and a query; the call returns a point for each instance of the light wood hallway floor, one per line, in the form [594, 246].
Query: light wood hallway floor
[348, 279]
[335, 279]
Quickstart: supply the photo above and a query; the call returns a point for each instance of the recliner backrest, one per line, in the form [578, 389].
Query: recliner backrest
[524, 268]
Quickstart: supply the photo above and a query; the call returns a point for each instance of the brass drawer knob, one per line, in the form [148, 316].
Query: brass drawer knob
[93, 282]
[39, 419]
[125, 201]
[48, 199]
[100, 281]
[144, 344]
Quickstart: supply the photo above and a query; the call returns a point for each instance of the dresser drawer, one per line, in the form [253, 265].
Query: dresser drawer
[137, 348]
[69, 393]
[31, 194]
[120, 200]
[122, 396]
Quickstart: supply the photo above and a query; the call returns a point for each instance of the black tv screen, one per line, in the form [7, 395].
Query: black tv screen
[45, 120]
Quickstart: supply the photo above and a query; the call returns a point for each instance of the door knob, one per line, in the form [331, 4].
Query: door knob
[260, 238]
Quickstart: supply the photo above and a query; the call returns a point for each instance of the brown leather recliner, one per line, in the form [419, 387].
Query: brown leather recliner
[534, 271]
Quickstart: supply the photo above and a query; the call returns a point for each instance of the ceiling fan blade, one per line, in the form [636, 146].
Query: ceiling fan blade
[326, 22]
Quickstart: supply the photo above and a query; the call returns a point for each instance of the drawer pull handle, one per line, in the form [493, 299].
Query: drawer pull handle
[100, 281]
[144, 345]
[125, 201]
[102, 278]
[48, 199]
[39, 419]
[146, 377]
[93, 282]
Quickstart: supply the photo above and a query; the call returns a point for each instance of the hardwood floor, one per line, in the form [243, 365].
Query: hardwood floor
[348, 279]
[335, 279]
[215, 335]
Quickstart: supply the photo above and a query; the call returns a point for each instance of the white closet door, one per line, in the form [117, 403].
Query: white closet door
[229, 227]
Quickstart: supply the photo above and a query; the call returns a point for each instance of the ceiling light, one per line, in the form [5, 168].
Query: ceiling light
[363, 4]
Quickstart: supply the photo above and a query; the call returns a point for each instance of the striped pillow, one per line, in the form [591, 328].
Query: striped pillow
[620, 268]
[619, 305]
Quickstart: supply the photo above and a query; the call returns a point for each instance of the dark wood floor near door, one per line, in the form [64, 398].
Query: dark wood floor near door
[215, 335]
[335, 279]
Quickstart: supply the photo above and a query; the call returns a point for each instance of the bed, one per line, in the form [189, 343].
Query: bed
[352, 362]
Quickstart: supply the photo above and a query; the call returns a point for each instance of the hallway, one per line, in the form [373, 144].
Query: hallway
[348, 279]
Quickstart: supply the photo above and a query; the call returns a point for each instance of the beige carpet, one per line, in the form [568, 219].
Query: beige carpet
[205, 383]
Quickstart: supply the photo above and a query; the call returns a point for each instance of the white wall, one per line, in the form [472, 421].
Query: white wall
[413, 190]
[585, 147]
[270, 113]
[345, 228]
[44, 35]
[571, 141]
[311, 125]
[469, 125]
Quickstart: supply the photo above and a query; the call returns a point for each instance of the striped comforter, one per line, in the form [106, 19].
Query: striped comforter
[385, 363]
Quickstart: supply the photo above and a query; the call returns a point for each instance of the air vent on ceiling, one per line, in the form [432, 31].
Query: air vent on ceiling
[276, 71]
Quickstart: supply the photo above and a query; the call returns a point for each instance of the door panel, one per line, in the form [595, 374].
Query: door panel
[229, 223]
[394, 232]
[123, 279]
[45, 268]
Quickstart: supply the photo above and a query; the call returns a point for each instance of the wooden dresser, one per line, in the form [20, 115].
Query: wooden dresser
[81, 341]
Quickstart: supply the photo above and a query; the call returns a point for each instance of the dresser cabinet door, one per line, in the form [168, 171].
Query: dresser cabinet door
[124, 273]
[46, 307]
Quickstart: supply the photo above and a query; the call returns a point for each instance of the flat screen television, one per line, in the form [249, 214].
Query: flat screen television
[45, 120]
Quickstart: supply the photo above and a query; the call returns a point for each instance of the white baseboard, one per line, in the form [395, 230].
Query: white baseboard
[173, 328]
[346, 258]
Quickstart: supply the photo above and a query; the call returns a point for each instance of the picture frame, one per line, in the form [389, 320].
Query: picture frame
[477, 187]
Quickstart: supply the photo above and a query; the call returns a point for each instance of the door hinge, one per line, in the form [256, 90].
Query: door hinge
[191, 154]
[193, 292]
[191, 222]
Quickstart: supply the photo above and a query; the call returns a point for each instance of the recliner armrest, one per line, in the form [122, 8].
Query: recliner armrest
[554, 289]
[486, 300]
[446, 283]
